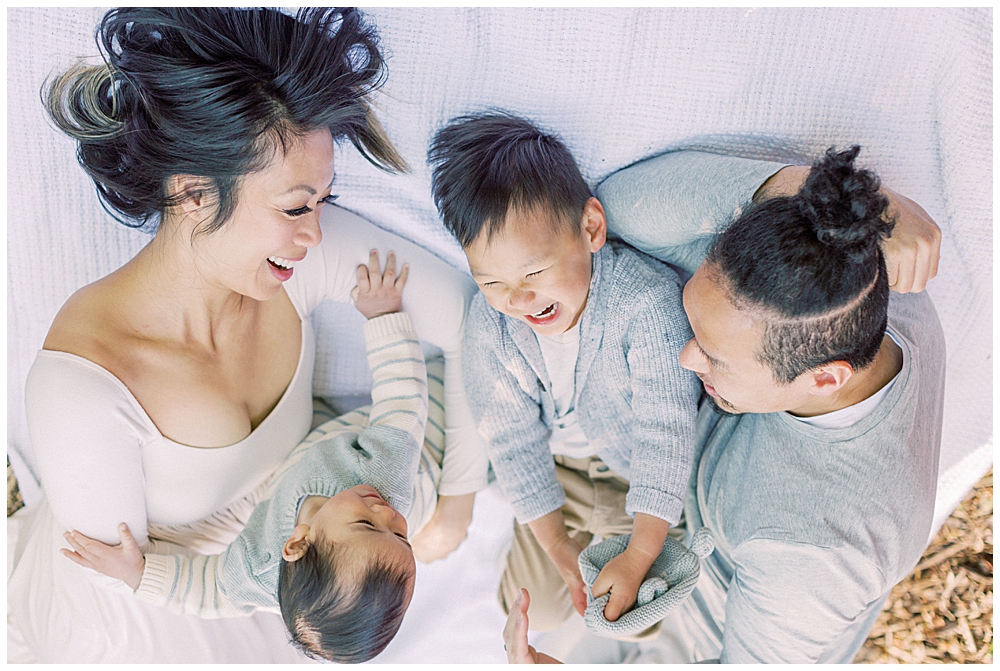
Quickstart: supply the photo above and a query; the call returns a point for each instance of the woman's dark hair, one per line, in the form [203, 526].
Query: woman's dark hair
[214, 92]
[329, 619]
[811, 266]
[485, 164]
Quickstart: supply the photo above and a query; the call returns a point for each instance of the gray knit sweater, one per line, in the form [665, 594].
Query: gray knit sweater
[636, 405]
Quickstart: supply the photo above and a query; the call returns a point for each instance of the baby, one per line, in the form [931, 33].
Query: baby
[328, 544]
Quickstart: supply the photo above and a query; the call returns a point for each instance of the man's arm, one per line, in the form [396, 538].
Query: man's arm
[671, 205]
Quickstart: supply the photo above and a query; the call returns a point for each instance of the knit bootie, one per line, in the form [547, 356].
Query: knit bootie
[670, 580]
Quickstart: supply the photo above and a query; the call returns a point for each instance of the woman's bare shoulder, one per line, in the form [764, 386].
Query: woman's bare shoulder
[91, 323]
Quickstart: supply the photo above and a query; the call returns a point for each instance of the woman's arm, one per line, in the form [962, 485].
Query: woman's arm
[87, 432]
[436, 298]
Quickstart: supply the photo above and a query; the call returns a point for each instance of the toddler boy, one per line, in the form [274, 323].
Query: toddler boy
[572, 371]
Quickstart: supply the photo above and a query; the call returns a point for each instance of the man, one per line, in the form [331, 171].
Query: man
[817, 449]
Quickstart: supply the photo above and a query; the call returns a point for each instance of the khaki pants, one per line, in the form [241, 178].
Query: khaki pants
[595, 506]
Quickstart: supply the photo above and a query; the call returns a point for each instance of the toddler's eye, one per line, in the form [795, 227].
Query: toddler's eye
[329, 199]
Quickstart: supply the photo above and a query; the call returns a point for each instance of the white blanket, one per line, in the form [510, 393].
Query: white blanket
[913, 87]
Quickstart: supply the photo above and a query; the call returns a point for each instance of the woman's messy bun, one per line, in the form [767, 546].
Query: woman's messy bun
[844, 205]
[213, 92]
[810, 267]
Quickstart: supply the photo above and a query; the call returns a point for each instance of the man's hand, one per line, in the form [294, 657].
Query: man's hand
[379, 293]
[913, 251]
[515, 635]
[123, 562]
[446, 529]
[550, 532]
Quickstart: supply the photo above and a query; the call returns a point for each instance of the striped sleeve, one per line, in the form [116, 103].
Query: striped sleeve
[188, 586]
[395, 431]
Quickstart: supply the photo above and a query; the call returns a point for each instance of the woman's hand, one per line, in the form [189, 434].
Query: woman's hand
[446, 529]
[515, 635]
[379, 293]
[123, 562]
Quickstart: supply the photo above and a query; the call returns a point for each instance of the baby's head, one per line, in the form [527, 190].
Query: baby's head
[347, 577]
[515, 199]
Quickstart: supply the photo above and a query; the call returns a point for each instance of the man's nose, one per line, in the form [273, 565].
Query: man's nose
[691, 357]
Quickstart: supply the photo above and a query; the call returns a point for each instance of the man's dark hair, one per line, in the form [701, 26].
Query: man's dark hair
[214, 92]
[811, 268]
[485, 164]
[330, 619]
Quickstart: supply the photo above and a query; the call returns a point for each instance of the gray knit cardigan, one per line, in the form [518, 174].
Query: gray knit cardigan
[636, 405]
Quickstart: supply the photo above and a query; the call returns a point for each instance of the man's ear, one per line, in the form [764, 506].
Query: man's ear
[830, 377]
[594, 224]
[297, 543]
[190, 193]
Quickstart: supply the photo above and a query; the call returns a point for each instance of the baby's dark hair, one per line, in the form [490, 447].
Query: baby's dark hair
[337, 619]
[214, 93]
[485, 164]
[811, 268]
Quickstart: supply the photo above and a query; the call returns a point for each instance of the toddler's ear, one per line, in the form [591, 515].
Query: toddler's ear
[594, 224]
[297, 543]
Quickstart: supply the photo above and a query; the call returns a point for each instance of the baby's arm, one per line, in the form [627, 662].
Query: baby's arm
[391, 441]
[184, 585]
[446, 529]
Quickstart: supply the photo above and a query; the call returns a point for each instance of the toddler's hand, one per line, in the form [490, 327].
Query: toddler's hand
[621, 576]
[379, 293]
[123, 562]
[446, 529]
[565, 555]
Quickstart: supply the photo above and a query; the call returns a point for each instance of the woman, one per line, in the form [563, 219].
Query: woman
[167, 392]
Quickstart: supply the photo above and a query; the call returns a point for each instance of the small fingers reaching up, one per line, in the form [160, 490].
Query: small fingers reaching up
[379, 293]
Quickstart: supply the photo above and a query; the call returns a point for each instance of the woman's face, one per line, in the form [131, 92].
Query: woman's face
[275, 222]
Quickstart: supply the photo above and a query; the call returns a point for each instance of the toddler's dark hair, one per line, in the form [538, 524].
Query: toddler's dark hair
[346, 623]
[485, 164]
[214, 92]
[811, 266]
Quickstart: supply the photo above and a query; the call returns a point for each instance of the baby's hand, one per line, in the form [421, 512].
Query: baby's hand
[379, 293]
[123, 562]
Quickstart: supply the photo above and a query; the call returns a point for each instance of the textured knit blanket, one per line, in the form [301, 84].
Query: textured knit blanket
[670, 580]
[914, 87]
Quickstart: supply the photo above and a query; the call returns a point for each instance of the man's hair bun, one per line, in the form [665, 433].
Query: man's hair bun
[844, 205]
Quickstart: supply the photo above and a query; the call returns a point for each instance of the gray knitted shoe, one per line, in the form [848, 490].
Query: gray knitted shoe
[670, 580]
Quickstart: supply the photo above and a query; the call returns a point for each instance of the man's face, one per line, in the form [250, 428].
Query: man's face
[723, 352]
[538, 271]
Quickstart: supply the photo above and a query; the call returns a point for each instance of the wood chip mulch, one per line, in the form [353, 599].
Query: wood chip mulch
[943, 612]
